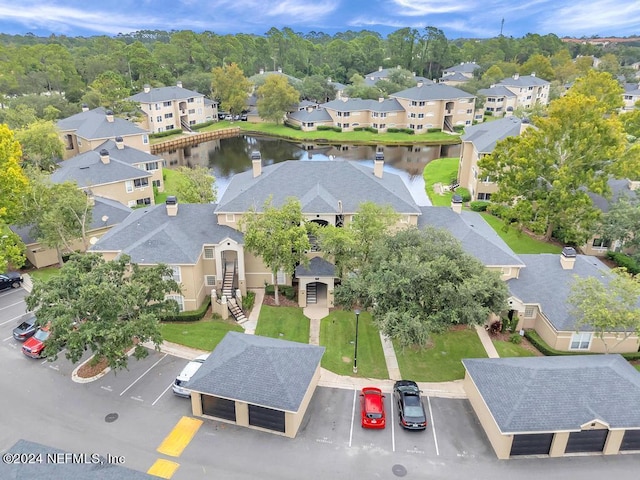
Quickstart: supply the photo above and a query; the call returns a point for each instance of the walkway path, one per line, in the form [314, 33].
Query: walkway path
[315, 313]
[486, 342]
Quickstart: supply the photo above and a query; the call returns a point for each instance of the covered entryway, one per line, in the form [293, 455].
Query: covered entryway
[587, 441]
[219, 407]
[315, 283]
[266, 418]
[631, 440]
[531, 444]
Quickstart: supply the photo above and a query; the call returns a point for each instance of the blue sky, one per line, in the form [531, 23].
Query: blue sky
[457, 18]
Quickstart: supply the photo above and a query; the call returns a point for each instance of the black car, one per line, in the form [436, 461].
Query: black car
[26, 329]
[10, 280]
[410, 407]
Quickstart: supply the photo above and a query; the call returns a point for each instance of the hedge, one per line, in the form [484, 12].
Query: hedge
[248, 301]
[166, 133]
[479, 205]
[192, 315]
[285, 290]
[200, 126]
[623, 260]
[295, 127]
[545, 349]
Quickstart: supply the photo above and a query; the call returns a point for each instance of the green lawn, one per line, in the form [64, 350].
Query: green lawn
[337, 334]
[286, 323]
[637, 367]
[442, 170]
[203, 335]
[171, 179]
[509, 349]
[519, 242]
[351, 137]
[440, 362]
[44, 274]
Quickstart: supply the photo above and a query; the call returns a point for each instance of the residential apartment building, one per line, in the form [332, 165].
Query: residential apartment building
[529, 89]
[170, 108]
[630, 97]
[384, 73]
[478, 141]
[89, 129]
[458, 74]
[350, 113]
[499, 100]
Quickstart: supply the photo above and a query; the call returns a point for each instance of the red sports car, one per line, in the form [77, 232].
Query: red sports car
[372, 408]
[35, 345]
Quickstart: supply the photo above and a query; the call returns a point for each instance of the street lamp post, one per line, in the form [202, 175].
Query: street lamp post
[355, 352]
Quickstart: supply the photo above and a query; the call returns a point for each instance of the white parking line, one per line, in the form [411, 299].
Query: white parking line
[8, 338]
[11, 320]
[353, 414]
[433, 426]
[393, 423]
[148, 370]
[12, 305]
[165, 391]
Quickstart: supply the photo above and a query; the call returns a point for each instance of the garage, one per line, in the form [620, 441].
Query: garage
[266, 418]
[587, 441]
[556, 406]
[531, 444]
[631, 440]
[219, 407]
[257, 382]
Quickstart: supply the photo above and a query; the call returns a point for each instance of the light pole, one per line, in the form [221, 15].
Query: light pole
[355, 352]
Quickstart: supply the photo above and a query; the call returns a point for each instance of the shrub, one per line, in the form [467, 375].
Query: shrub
[248, 300]
[623, 260]
[479, 205]
[458, 128]
[166, 133]
[296, 127]
[545, 349]
[285, 290]
[324, 127]
[515, 338]
[336, 129]
[434, 130]
[200, 126]
[371, 129]
[358, 129]
[488, 114]
[464, 193]
[393, 130]
[192, 315]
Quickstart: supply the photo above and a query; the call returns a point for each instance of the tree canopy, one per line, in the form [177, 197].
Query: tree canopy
[278, 236]
[231, 87]
[41, 144]
[418, 282]
[196, 185]
[104, 306]
[275, 98]
[611, 309]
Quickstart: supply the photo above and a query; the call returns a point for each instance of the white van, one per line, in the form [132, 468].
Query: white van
[186, 374]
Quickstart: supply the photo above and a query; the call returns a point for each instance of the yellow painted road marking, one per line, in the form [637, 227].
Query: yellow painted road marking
[163, 468]
[180, 436]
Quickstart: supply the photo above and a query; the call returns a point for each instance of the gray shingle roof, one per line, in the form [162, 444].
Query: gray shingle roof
[150, 236]
[259, 370]
[290, 78]
[321, 187]
[524, 81]
[87, 168]
[546, 283]
[454, 77]
[104, 207]
[93, 124]
[485, 135]
[474, 233]
[496, 91]
[164, 94]
[67, 470]
[433, 91]
[619, 188]
[315, 115]
[466, 67]
[358, 104]
[318, 267]
[546, 394]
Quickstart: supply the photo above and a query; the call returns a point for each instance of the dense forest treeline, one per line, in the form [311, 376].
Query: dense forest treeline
[80, 66]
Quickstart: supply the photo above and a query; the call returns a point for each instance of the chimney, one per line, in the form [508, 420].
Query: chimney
[119, 143]
[328, 79]
[257, 167]
[516, 76]
[380, 99]
[398, 67]
[147, 88]
[413, 74]
[172, 205]
[279, 69]
[104, 156]
[568, 258]
[179, 84]
[634, 185]
[456, 203]
[378, 166]
[533, 74]
[262, 71]
[380, 68]
[85, 107]
[419, 84]
[109, 114]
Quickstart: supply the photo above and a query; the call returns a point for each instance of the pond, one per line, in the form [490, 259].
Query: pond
[228, 156]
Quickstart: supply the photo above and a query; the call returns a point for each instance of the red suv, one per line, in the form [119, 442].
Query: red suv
[35, 345]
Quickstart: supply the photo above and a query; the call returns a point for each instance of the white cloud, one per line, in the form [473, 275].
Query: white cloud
[416, 8]
[618, 17]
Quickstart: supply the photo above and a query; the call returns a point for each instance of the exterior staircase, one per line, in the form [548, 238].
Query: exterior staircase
[228, 291]
[185, 126]
[312, 293]
[235, 310]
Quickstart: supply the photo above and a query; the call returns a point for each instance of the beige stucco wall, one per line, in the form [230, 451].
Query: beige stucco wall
[559, 444]
[294, 420]
[501, 443]
[613, 443]
[118, 191]
[193, 113]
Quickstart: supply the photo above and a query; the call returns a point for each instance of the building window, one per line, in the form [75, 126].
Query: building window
[421, 104]
[168, 115]
[210, 280]
[412, 126]
[166, 104]
[141, 182]
[190, 100]
[170, 127]
[467, 122]
[484, 196]
[151, 166]
[383, 125]
[419, 127]
[131, 203]
[209, 253]
[145, 139]
[129, 186]
[157, 183]
[159, 118]
[375, 125]
[345, 125]
[529, 311]
[157, 106]
[282, 277]
[421, 115]
[143, 201]
[469, 111]
[179, 299]
[601, 243]
[191, 111]
[177, 274]
[383, 115]
[491, 99]
[231, 217]
[580, 341]
[414, 103]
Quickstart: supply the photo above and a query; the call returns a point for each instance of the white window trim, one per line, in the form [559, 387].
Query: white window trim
[231, 217]
[213, 253]
[210, 280]
[129, 186]
[179, 300]
[579, 338]
[177, 273]
[531, 309]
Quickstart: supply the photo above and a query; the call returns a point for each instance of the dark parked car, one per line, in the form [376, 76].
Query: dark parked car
[243, 117]
[10, 280]
[410, 407]
[221, 115]
[26, 328]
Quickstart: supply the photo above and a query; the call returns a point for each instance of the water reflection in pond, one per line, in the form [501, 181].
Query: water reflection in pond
[229, 156]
